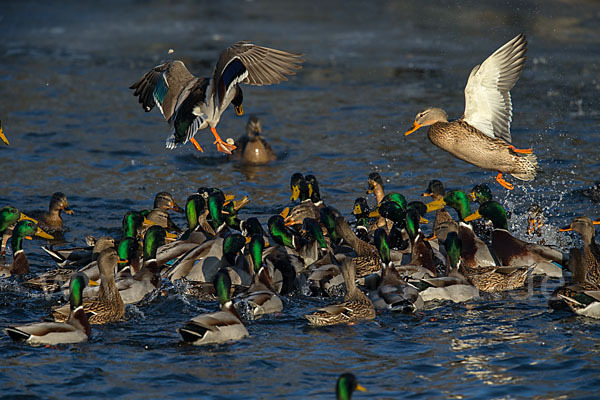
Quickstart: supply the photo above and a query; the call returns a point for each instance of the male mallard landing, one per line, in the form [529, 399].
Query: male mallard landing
[75, 330]
[253, 148]
[218, 327]
[482, 135]
[355, 308]
[2, 137]
[346, 385]
[190, 104]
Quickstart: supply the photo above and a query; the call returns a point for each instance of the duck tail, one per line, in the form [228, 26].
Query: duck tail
[527, 167]
[170, 142]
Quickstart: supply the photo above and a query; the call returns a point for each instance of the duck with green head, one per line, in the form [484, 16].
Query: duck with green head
[76, 329]
[510, 251]
[393, 293]
[163, 202]
[301, 190]
[346, 385]
[474, 251]
[311, 246]
[108, 306]
[219, 327]
[356, 306]
[134, 288]
[9, 216]
[260, 299]
[454, 286]
[24, 229]
[361, 212]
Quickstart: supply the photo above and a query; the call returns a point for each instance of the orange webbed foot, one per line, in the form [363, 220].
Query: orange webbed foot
[502, 182]
[222, 146]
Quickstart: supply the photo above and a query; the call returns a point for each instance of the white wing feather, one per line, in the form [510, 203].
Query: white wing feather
[488, 105]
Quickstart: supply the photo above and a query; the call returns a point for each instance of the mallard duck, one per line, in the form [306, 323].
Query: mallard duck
[579, 283]
[355, 308]
[482, 135]
[190, 104]
[9, 216]
[51, 220]
[253, 148]
[454, 286]
[346, 385]
[307, 208]
[421, 251]
[591, 251]
[163, 202]
[2, 136]
[393, 293]
[481, 193]
[260, 299]
[76, 329]
[203, 262]
[23, 230]
[474, 251]
[510, 251]
[367, 260]
[218, 327]
[376, 186]
[134, 288]
[310, 248]
[361, 212]
[108, 306]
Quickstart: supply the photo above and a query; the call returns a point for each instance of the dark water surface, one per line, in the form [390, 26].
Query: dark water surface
[370, 67]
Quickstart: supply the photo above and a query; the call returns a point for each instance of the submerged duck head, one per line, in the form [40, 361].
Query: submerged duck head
[428, 117]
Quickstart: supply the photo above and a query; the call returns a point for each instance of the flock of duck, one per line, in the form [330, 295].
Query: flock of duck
[380, 261]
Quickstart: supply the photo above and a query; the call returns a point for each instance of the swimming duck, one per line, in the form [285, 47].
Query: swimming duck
[482, 135]
[108, 306]
[134, 288]
[2, 136]
[76, 329]
[367, 260]
[23, 230]
[510, 251]
[346, 385]
[564, 297]
[361, 212]
[218, 327]
[591, 251]
[163, 202]
[301, 190]
[190, 104]
[9, 216]
[310, 247]
[51, 220]
[355, 308]
[260, 299]
[421, 251]
[454, 286]
[393, 293]
[376, 186]
[253, 148]
[474, 252]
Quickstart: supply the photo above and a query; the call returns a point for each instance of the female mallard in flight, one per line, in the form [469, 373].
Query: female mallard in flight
[189, 103]
[76, 329]
[482, 135]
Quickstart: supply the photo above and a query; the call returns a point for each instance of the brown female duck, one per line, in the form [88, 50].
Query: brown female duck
[482, 135]
[253, 148]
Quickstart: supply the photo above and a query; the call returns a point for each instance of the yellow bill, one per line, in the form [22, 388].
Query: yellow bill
[43, 234]
[435, 205]
[473, 216]
[23, 216]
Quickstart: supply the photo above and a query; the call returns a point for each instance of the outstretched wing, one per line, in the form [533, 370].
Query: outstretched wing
[488, 106]
[163, 86]
[255, 65]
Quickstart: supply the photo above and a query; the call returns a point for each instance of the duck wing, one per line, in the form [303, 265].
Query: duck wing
[488, 105]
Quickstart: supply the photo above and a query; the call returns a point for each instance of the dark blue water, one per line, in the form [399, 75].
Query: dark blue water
[370, 67]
